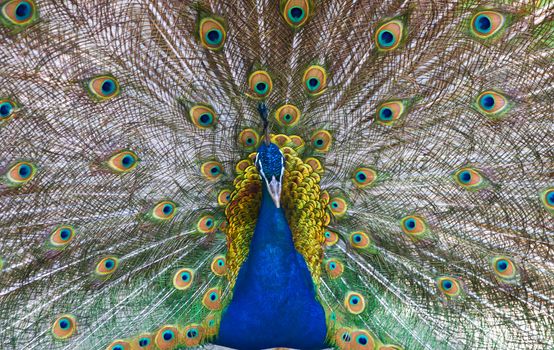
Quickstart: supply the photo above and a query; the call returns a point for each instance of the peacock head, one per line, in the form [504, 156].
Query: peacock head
[271, 165]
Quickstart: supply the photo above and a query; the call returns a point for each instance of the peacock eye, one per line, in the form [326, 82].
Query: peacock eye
[249, 139]
[144, 340]
[492, 103]
[287, 115]
[364, 177]
[485, 24]
[389, 112]
[260, 84]
[296, 12]
[120, 345]
[212, 33]
[470, 178]
[166, 337]
[206, 224]
[354, 303]
[183, 278]
[547, 198]
[449, 286]
[8, 108]
[203, 116]
[107, 266]
[389, 35]
[103, 88]
[212, 170]
[123, 162]
[21, 173]
[218, 266]
[64, 327]
[364, 340]
[322, 140]
[223, 197]
[413, 225]
[359, 240]
[315, 80]
[211, 299]
[18, 13]
[164, 210]
[62, 236]
[504, 268]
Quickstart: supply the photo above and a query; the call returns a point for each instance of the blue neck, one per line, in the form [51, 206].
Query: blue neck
[273, 302]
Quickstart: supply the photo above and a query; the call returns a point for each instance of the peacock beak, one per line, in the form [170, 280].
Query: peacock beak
[274, 188]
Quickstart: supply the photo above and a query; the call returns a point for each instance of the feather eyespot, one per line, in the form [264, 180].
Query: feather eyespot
[218, 266]
[362, 340]
[206, 224]
[212, 170]
[296, 12]
[249, 139]
[183, 278]
[119, 345]
[492, 104]
[62, 236]
[504, 268]
[287, 115]
[315, 80]
[260, 84]
[21, 173]
[211, 299]
[469, 178]
[364, 177]
[103, 88]
[18, 13]
[334, 268]
[413, 225]
[338, 206]
[8, 108]
[486, 24]
[167, 337]
[107, 266]
[547, 198]
[64, 327]
[389, 35]
[164, 210]
[123, 162]
[322, 140]
[343, 338]
[354, 303]
[359, 240]
[449, 286]
[212, 33]
[143, 341]
[193, 334]
[210, 325]
[203, 116]
[389, 112]
[223, 197]
[331, 238]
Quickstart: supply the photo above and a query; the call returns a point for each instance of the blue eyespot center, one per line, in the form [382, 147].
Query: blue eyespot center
[313, 84]
[23, 11]
[192, 333]
[357, 238]
[501, 265]
[334, 205]
[386, 38]
[213, 296]
[319, 142]
[118, 347]
[410, 224]
[550, 197]
[205, 119]
[354, 300]
[127, 161]
[65, 234]
[465, 176]
[447, 285]
[167, 209]
[144, 342]
[249, 141]
[6, 109]
[261, 88]
[327, 234]
[287, 117]
[332, 266]
[109, 264]
[215, 170]
[361, 176]
[24, 171]
[108, 87]
[209, 223]
[64, 323]
[168, 335]
[346, 337]
[185, 276]
[214, 36]
[362, 340]
[296, 14]
[483, 24]
[487, 102]
[385, 113]
[220, 262]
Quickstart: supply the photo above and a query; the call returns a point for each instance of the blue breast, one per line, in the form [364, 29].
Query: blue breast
[274, 303]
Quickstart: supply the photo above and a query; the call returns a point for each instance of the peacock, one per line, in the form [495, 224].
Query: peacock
[254, 174]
